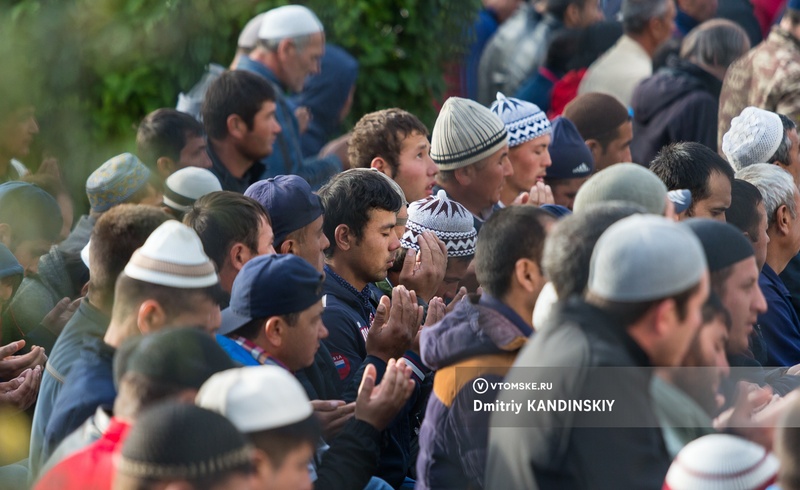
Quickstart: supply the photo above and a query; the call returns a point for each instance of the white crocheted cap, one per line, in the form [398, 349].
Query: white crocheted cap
[722, 462]
[449, 220]
[524, 121]
[754, 137]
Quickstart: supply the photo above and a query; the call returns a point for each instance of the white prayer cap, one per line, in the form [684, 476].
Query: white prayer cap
[172, 256]
[289, 21]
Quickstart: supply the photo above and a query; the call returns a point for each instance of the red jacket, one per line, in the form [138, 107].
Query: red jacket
[91, 468]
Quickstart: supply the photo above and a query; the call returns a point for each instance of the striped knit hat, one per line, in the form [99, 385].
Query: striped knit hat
[465, 133]
[172, 256]
[187, 185]
[449, 220]
[524, 121]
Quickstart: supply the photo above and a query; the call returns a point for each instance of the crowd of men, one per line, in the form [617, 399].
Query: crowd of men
[585, 275]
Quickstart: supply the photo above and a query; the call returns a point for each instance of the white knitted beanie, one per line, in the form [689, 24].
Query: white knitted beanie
[449, 220]
[754, 137]
[524, 121]
[465, 133]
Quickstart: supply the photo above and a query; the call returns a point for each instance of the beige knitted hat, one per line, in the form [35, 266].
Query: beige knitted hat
[465, 133]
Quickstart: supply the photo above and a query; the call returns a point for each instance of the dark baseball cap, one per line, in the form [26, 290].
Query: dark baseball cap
[289, 201]
[271, 285]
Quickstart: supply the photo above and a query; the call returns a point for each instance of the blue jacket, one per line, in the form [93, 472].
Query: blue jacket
[483, 337]
[325, 94]
[87, 322]
[90, 384]
[780, 324]
[287, 156]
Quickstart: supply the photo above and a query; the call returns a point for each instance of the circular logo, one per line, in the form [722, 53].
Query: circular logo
[480, 386]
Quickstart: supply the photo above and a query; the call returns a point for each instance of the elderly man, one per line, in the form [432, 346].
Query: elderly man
[470, 147]
[780, 324]
[291, 42]
[647, 25]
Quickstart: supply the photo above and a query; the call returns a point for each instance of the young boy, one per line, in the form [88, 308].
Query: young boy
[396, 143]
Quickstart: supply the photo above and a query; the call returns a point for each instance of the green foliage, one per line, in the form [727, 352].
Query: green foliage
[94, 68]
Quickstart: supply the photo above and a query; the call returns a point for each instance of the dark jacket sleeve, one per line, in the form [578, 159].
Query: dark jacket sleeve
[352, 458]
[344, 343]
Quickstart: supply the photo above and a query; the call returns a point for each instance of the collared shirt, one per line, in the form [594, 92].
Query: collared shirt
[227, 179]
[364, 295]
[257, 352]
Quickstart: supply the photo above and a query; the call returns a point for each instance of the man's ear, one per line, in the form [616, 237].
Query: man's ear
[286, 48]
[572, 15]
[273, 330]
[595, 147]
[381, 166]
[783, 220]
[150, 317]
[464, 175]
[5, 234]
[665, 316]
[166, 166]
[236, 126]
[528, 275]
[239, 255]
[344, 237]
[287, 247]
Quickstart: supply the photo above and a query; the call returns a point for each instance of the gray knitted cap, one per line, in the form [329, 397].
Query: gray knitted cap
[644, 258]
[465, 133]
[623, 182]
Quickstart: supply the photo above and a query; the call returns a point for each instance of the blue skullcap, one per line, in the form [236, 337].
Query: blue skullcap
[116, 181]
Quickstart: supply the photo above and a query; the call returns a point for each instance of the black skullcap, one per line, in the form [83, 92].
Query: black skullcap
[724, 244]
[174, 441]
[185, 357]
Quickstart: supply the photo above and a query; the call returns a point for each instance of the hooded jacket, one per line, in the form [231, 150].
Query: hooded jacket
[477, 340]
[325, 94]
[679, 103]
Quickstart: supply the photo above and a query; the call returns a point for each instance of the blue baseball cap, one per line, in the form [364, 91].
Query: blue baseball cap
[289, 201]
[271, 285]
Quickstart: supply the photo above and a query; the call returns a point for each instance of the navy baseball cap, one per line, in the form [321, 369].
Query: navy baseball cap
[289, 201]
[271, 285]
[571, 157]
